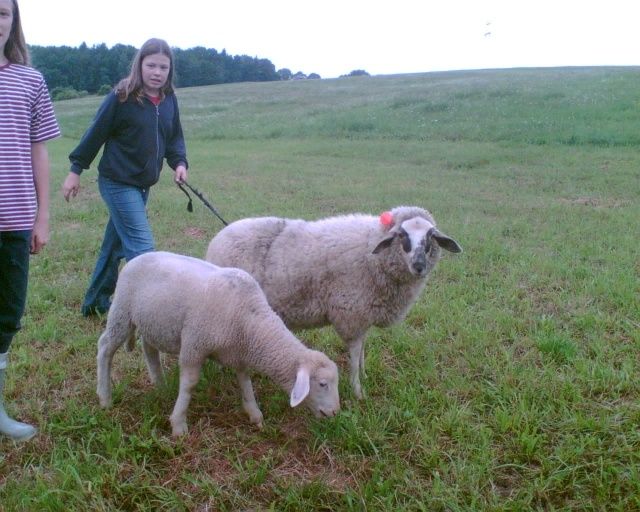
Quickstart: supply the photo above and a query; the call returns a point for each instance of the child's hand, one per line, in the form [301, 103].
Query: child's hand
[39, 235]
[71, 186]
[181, 174]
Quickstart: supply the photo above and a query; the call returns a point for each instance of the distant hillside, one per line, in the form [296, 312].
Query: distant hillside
[575, 106]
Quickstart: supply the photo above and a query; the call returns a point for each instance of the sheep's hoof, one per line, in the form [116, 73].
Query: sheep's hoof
[257, 420]
[179, 432]
[157, 382]
[179, 429]
[105, 403]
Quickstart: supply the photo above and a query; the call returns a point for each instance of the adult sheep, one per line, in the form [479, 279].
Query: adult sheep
[351, 271]
[186, 306]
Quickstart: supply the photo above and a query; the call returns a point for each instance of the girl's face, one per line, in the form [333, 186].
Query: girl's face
[155, 71]
[6, 21]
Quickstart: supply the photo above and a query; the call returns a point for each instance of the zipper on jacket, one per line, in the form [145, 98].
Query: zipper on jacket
[157, 137]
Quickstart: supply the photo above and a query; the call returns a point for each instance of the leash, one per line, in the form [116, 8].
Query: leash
[202, 198]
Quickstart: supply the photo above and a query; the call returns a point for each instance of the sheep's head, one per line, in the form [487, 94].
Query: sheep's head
[317, 386]
[416, 237]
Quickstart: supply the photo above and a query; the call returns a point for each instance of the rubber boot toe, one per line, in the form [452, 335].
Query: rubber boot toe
[15, 430]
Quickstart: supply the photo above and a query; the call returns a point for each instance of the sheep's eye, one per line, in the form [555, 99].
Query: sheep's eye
[323, 384]
[405, 240]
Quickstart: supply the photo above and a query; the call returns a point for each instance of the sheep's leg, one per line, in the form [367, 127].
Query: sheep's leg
[152, 358]
[189, 376]
[107, 346]
[249, 403]
[356, 364]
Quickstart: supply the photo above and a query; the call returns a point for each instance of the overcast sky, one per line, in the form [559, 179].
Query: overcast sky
[334, 37]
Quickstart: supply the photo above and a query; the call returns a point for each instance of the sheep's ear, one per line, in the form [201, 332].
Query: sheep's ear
[447, 242]
[386, 242]
[300, 388]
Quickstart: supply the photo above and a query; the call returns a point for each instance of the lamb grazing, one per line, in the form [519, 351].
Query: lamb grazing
[350, 271]
[186, 306]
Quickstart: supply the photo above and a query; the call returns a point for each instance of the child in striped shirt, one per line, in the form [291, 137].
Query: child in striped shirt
[28, 122]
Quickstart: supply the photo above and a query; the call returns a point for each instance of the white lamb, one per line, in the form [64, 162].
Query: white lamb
[350, 271]
[184, 305]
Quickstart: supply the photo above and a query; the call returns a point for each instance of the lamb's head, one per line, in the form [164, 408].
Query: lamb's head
[317, 385]
[413, 233]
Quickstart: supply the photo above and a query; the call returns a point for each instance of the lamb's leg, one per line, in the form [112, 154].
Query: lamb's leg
[248, 399]
[110, 340]
[356, 364]
[189, 376]
[152, 358]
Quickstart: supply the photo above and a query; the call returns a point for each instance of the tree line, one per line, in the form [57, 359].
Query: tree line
[72, 72]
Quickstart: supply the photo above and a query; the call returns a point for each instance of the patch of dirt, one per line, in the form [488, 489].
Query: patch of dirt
[195, 232]
[595, 202]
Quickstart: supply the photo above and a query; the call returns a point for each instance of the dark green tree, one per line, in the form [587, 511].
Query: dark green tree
[285, 74]
[99, 68]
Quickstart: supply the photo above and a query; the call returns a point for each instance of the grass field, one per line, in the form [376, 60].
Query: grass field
[511, 386]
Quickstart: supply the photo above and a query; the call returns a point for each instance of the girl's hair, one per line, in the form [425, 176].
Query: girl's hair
[132, 85]
[15, 48]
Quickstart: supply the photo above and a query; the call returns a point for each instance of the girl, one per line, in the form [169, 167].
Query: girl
[28, 121]
[139, 125]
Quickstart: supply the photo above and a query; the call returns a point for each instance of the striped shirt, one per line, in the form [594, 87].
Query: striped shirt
[26, 117]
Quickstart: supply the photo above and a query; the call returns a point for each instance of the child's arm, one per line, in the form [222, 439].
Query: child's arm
[41, 172]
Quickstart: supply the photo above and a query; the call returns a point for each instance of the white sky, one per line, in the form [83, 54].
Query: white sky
[334, 37]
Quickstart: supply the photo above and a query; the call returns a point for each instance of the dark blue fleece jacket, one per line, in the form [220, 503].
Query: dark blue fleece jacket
[136, 138]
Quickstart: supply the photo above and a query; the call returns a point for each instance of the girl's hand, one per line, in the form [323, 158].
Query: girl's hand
[181, 174]
[71, 186]
[39, 235]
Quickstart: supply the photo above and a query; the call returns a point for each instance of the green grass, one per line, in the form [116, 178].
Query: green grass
[513, 383]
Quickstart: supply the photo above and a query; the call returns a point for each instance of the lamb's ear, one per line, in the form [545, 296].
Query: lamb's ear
[300, 388]
[386, 242]
[446, 242]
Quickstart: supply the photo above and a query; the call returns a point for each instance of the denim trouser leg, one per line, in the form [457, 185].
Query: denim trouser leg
[14, 274]
[105, 274]
[128, 234]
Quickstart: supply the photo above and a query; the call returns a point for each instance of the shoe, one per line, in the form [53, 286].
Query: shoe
[88, 311]
[13, 429]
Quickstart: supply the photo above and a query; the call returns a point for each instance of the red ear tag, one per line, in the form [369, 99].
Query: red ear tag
[386, 219]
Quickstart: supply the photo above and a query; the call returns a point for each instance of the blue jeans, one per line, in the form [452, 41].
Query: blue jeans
[14, 274]
[127, 235]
